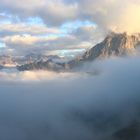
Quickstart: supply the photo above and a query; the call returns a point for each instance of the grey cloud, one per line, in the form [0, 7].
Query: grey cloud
[79, 106]
[108, 14]
[83, 37]
[52, 12]
[85, 32]
[25, 43]
[7, 29]
[90, 34]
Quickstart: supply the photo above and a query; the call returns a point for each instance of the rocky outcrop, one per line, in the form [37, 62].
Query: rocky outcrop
[114, 44]
[50, 65]
[47, 65]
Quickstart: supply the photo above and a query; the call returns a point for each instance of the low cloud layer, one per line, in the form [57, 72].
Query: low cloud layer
[93, 103]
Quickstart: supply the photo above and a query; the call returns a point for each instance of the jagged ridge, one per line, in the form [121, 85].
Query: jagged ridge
[114, 44]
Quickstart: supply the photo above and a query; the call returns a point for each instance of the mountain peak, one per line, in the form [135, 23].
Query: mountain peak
[114, 44]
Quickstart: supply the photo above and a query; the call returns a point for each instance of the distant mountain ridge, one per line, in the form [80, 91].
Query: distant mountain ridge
[116, 44]
[42, 65]
[52, 62]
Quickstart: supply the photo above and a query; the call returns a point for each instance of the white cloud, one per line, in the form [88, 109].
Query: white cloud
[116, 15]
[82, 37]
[26, 40]
[24, 28]
[52, 12]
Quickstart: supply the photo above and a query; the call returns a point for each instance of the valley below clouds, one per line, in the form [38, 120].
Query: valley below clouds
[96, 101]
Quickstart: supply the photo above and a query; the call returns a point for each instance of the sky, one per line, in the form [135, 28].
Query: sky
[38, 25]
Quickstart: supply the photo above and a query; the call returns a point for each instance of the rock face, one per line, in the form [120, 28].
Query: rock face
[114, 44]
[47, 65]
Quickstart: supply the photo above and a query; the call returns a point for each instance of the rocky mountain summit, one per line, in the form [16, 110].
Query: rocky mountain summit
[114, 44]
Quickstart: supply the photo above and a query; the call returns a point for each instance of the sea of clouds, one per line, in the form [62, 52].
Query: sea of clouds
[93, 102]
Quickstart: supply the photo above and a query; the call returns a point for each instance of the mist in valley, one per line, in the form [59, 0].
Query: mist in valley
[94, 102]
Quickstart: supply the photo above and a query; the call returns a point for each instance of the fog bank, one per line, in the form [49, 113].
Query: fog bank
[92, 103]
